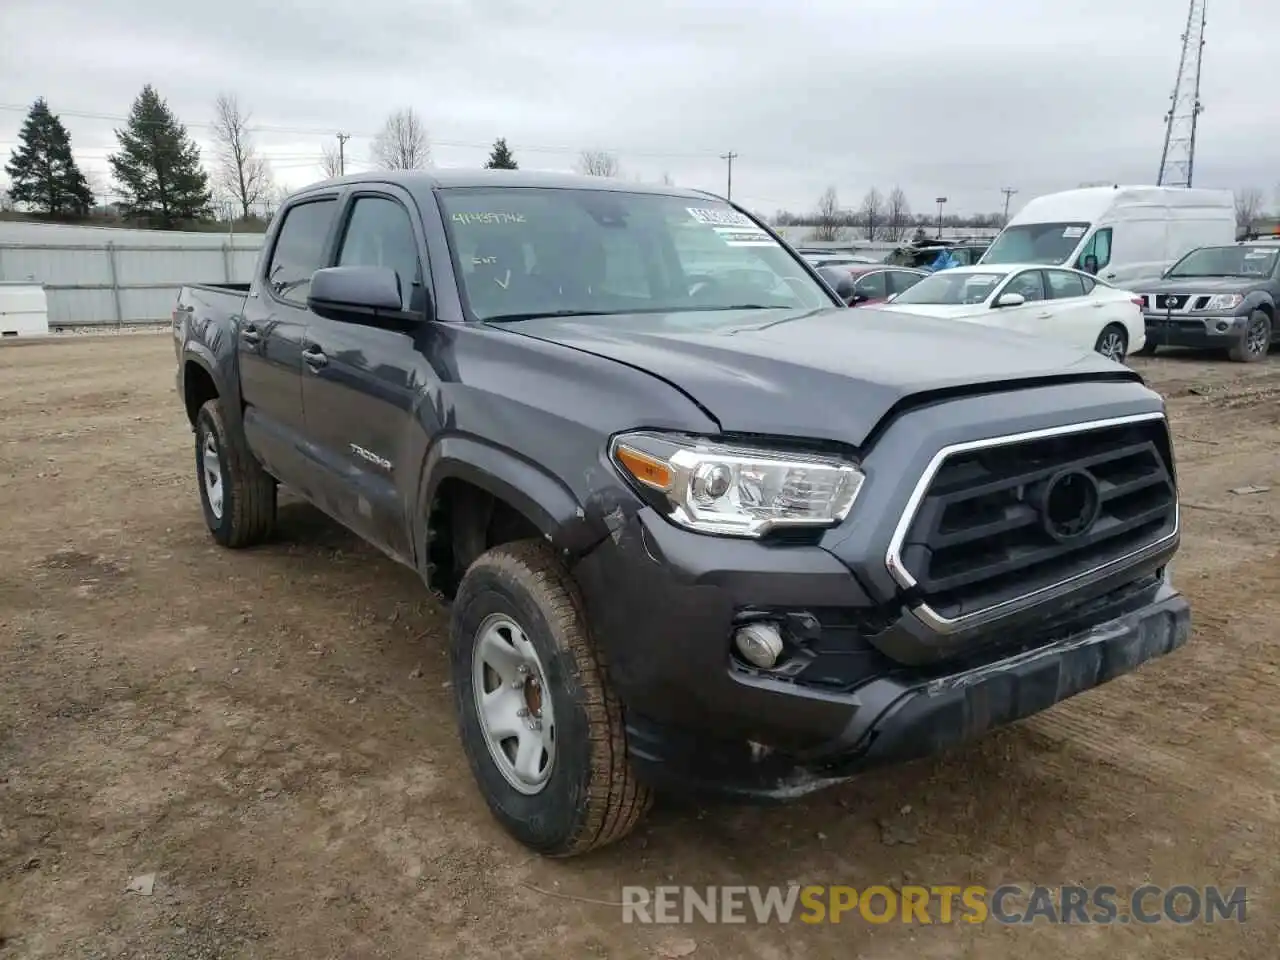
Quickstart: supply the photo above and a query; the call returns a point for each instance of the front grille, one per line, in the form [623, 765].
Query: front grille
[996, 522]
[1170, 301]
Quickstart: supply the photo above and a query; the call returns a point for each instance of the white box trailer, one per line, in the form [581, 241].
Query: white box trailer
[1121, 234]
[24, 309]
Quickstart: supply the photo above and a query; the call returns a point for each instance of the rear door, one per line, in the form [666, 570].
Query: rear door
[902, 280]
[1077, 317]
[871, 288]
[362, 378]
[270, 334]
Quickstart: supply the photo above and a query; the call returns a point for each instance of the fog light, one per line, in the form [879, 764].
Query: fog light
[760, 644]
[1222, 325]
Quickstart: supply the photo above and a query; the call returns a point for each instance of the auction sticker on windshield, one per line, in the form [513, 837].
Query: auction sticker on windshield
[735, 229]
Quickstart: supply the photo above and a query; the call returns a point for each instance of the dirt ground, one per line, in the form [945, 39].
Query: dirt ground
[269, 733]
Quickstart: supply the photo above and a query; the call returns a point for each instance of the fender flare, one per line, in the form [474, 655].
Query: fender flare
[541, 497]
[202, 357]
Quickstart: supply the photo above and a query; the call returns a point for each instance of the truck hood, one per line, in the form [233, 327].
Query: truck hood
[821, 374]
[1201, 285]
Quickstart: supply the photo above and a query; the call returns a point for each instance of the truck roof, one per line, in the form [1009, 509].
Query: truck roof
[1088, 204]
[416, 180]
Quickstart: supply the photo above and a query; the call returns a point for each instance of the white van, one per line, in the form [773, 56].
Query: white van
[1121, 234]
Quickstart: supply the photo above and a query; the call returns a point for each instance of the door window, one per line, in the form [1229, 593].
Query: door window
[380, 234]
[300, 248]
[872, 286]
[1064, 285]
[1029, 284]
[902, 281]
[1099, 245]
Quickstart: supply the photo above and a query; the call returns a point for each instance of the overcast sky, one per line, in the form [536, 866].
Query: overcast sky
[955, 99]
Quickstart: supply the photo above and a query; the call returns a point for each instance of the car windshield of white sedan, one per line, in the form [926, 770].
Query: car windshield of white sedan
[1227, 262]
[951, 288]
[1036, 243]
[532, 252]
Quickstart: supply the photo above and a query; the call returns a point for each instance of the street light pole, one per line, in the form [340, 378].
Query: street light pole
[940, 202]
[730, 156]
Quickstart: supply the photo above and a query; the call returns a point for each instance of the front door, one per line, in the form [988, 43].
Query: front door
[270, 334]
[363, 381]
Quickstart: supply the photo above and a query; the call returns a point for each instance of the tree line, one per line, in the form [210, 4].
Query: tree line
[161, 179]
[879, 216]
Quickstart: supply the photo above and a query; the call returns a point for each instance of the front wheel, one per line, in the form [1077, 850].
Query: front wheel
[1254, 341]
[1113, 343]
[540, 723]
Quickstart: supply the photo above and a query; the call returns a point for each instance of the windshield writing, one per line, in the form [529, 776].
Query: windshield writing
[950, 289]
[533, 252]
[1036, 243]
[1227, 262]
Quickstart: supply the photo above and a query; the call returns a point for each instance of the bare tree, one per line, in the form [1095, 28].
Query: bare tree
[598, 163]
[1248, 207]
[897, 215]
[242, 175]
[872, 209]
[827, 226]
[331, 161]
[666, 180]
[402, 144]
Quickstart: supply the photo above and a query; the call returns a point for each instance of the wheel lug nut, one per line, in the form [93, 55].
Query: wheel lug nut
[522, 712]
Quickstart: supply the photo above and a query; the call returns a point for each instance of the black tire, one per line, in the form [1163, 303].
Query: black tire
[1113, 342]
[1255, 339]
[1148, 349]
[247, 514]
[591, 796]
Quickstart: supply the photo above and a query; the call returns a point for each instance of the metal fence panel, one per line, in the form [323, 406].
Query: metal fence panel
[94, 275]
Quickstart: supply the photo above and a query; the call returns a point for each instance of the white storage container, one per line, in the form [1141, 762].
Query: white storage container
[24, 309]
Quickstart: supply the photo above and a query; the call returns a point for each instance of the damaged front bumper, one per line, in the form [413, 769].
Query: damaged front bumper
[663, 605]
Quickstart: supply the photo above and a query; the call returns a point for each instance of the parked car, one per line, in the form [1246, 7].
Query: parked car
[875, 282]
[1121, 234]
[696, 529]
[1221, 297]
[933, 255]
[1058, 304]
[826, 258]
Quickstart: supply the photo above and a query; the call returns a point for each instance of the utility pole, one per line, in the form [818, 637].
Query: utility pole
[342, 153]
[940, 201]
[1008, 194]
[730, 156]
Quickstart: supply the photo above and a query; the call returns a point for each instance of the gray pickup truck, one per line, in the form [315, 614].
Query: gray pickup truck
[700, 526]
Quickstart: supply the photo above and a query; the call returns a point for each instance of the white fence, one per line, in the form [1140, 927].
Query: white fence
[98, 275]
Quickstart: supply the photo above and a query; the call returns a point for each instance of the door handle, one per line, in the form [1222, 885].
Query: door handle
[1043, 316]
[314, 357]
[250, 335]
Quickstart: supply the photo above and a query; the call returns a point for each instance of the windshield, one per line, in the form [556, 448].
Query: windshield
[523, 252]
[1227, 262]
[950, 288]
[1036, 243]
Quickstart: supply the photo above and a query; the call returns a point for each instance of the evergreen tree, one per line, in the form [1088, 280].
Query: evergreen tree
[158, 166]
[43, 171]
[501, 158]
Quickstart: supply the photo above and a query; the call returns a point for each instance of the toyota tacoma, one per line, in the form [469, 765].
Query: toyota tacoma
[699, 526]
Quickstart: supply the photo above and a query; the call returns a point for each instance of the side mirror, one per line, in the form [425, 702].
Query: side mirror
[1091, 264]
[355, 293]
[841, 282]
[1010, 300]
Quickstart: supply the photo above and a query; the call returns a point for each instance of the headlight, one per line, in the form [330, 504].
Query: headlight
[739, 491]
[1223, 301]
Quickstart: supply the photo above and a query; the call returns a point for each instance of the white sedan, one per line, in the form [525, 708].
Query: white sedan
[1054, 302]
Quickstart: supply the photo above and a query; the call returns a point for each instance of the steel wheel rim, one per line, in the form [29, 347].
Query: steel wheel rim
[1256, 337]
[1112, 346]
[513, 708]
[211, 469]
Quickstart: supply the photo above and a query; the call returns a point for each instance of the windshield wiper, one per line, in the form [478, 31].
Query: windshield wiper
[538, 315]
[746, 306]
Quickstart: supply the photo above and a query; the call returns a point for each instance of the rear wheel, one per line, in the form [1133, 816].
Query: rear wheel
[1254, 341]
[1113, 342]
[238, 496]
[540, 723]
